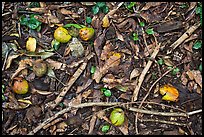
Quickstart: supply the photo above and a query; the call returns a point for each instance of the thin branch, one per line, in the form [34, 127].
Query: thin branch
[163, 121]
[105, 104]
[145, 70]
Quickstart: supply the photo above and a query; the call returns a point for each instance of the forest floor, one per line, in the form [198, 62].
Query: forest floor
[67, 65]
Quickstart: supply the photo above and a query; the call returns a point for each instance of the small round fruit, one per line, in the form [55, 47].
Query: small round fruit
[117, 117]
[20, 85]
[39, 68]
[86, 33]
[61, 34]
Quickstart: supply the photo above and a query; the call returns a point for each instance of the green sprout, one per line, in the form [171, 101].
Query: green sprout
[105, 128]
[100, 6]
[150, 31]
[106, 92]
[31, 22]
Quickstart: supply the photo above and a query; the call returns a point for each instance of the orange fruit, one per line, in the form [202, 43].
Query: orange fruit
[61, 34]
[86, 33]
[20, 85]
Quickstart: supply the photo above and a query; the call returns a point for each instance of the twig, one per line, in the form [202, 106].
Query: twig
[163, 121]
[64, 91]
[184, 37]
[105, 104]
[145, 70]
[194, 112]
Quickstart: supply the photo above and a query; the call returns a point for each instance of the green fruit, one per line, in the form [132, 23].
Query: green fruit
[86, 33]
[20, 85]
[61, 34]
[117, 117]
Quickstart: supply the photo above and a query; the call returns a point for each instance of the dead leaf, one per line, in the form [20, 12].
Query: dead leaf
[56, 64]
[84, 86]
[65, 11]
[85, 94]
[119, 36]
[92, 123]
[75, 101]
[168, 62]
[106, 50]
[9, 60]
[151, 4]
[190, 75]
[124, 128]
[105, 22]
[76, 48]
[197, 77]
[135, 73]
[192, 5]
[22, 65]
[113, 61]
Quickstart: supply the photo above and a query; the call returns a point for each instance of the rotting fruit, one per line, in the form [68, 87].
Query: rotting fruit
[117, 117]
[86, 33]
[40, 68]
[61, 34]
[20, 85]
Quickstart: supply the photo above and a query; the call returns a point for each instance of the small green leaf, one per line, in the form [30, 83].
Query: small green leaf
[131, 5]
[199, 10]
[197, 45]
[142, 24]
[78, 26]
[93, 69]
[175, 71]
[88, 20]
[95, 9]
[135, 36]
[105, 128]
[150, 31]
[105, 9]
[55, 44]
[107, 93]
[34, 5]
[61, 104]
[200, 67]
[100, 4]
[184, 6]
[160, 61]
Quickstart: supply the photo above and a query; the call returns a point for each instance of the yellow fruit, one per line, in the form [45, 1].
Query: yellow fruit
[31, 44]
[20, 85]
[170, 93]
[86, 33]
[39, 68]
[117, 117]
[61, 34]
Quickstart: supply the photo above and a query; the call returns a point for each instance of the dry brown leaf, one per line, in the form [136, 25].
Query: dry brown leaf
[135, 73]
[190, 75]
[9, 60]
[22, 65]
[168, 62]
[106, 50]
[113, 61]
[197, 77]
[84, 86]
[151, 4]
[124, 128]
[184, 79]
[66, 12]
[119, 36]
[75, 101]
[92, 123]
[85, 94]
[56, 65]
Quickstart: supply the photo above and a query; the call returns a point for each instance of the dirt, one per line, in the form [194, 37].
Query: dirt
[155, 43]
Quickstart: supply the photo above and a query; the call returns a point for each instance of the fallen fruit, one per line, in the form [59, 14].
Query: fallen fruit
[86, 33]
[170, 93]
[39, 68]
[31, 44]
[20, 85]
[117, 117]
[61, 34]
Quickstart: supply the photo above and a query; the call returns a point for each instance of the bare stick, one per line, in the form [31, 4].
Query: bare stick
[163, 121]
[194, 112]
[184, 36]
[145, 70]
[90, 104]
[64, 91]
